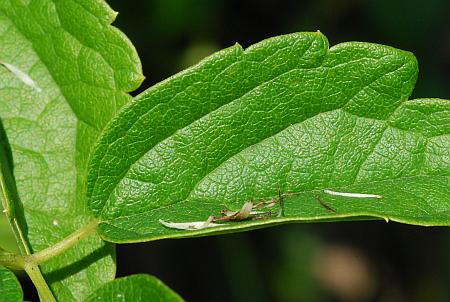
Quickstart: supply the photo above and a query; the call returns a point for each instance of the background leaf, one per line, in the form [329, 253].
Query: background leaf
[64, 73]
[287, 110]
[12, 207]
[135, 288]
[10, 290]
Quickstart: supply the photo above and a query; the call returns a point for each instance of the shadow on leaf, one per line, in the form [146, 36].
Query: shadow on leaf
[81, 264]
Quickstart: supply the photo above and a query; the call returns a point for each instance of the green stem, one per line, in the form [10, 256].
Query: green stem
[13, 210]
[66, 243]
[44, 291]
[30, 263]
[12, 261]
[20, 238]
[8, 206]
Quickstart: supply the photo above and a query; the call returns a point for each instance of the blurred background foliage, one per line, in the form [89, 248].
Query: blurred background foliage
[351, 261]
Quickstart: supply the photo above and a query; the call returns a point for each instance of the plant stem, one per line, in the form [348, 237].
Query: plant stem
[11, 260]
[33, 271]
[20, 238]
[30, 263]
[12, 208]
[63, 245]
[8, 204]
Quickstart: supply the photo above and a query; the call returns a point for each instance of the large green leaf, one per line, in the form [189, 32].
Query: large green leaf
[10, 290]
[135, 288]
[286, 112]
[64, 72]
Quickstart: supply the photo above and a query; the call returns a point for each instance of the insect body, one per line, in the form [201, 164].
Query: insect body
[249, 211]
[261, 209]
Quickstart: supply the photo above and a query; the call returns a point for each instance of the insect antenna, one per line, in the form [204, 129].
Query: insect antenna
[281, 201]
[323, 204]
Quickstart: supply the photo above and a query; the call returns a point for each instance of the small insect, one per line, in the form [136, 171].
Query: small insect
[227, 215]
[353, 195]
[254, 211]
[249, 211]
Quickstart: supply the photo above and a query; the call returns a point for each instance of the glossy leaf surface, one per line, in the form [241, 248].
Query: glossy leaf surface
[135, 288]
[64, 72]
[10, 290]
[286, 112]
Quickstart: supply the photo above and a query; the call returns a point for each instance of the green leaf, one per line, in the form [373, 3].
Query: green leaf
[11, 205]
[287, 112]
[8, 241]
[10, 290]
[64, 73]
[135, 288]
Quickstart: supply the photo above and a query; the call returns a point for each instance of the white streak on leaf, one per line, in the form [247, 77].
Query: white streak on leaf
[191, 226]
[354, 195]
[25, 78]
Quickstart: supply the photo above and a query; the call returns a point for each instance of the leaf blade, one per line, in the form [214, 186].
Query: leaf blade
[10, 290]
[84, 68]
[135, 288]
[229, 60]
[335, 123]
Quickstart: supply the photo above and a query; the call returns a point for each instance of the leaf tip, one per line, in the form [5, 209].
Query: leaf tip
[237, 45]
[113, 15]
[319, 33]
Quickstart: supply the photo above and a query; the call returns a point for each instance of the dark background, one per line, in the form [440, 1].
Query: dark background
[351, 261]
